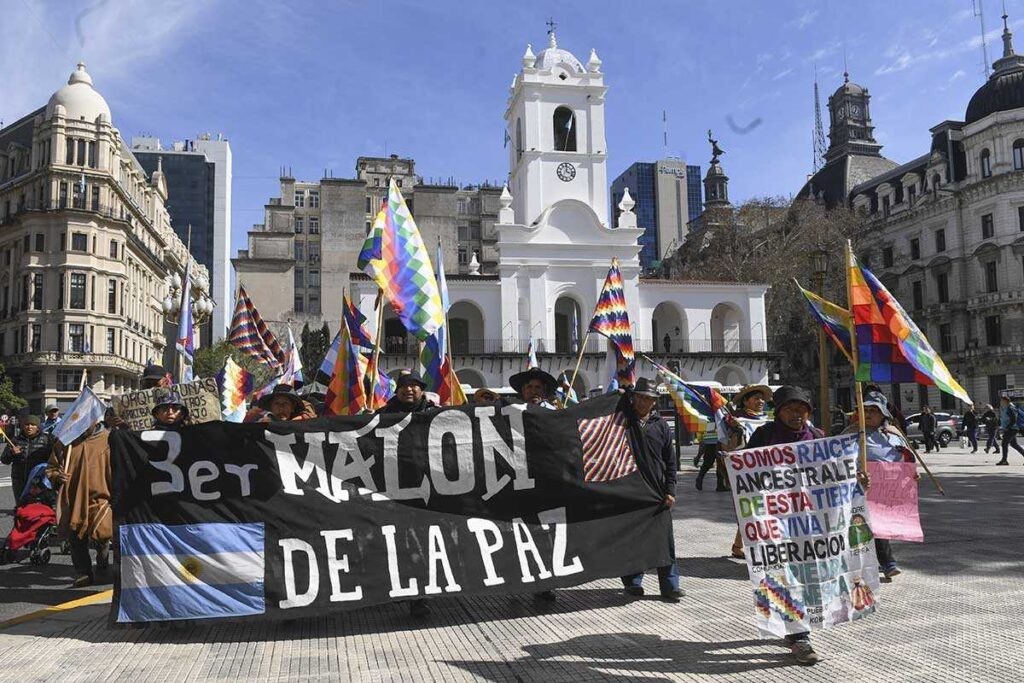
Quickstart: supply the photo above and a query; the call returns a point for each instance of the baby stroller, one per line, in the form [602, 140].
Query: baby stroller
[35, 521]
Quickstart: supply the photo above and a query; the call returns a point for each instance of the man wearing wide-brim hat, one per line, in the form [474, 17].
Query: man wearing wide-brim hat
[280, 404]
[534, 386]
[154, 376]
[51, 418]
[658, 443]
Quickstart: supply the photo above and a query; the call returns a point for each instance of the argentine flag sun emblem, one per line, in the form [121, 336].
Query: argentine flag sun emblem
[190, 571]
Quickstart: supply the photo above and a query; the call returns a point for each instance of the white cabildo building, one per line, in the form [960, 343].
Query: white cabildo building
[555, 244]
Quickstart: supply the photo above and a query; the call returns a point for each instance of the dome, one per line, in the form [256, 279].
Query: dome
[79, 99]
[1001, 92]
[554, 56]
[848, 88]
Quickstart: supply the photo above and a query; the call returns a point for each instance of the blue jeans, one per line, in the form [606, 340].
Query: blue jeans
[668, 576]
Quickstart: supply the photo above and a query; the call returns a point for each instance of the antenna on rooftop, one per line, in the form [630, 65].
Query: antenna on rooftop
[664, 134]
[819, 129]
[979, 11]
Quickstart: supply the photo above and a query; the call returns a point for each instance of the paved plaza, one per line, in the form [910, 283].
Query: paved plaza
[953, 615]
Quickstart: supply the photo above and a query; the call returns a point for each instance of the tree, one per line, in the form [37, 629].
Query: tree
[773, 240]
[9, 400]
[209, 360]
[313, 349]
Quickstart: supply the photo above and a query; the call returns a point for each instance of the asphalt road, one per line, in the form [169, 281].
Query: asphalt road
[26, 587]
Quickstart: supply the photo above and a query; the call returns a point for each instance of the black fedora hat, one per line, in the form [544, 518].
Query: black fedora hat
[646, 387]
[520, 379]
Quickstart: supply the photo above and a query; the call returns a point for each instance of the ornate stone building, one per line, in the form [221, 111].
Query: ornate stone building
[86, 250]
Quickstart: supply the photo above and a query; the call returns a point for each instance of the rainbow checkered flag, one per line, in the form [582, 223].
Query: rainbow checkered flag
[346, 394]
[250, 335]
[699, 407]
[396, 258]
[611, 320]
[356, 322]
[235, 384]
[889, 346]
[834, 320]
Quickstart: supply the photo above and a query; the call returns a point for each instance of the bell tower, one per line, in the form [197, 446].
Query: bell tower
[850, 129]
[555, 133]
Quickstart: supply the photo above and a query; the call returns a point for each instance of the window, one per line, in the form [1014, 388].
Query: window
[463, 256]
[1018, 155]
[461, 206]
[945, 338]
[940, 240]
[113, 249]
[111, 295]
[887, 257]
[298, 225]
[987, 226]
[911, 194]
[37, 381]
[376, 182]
[564, 122]
[314, 252]
[300, 198]
[78, 291]
[1020, 218]
[79, 242]
[300, 251]
[519, 139]
[69, 152]
[463, 233]
[40, 242]
[314, 225]
[80, 156]
[314, 303]
[865, 260]
[62, 194]
[25, 287]
[26, 242]
[111, 341]
[474, 231]
[60, 292]
[299, 278]
[915, 248]
[95, 202]
[918, 295]
[299, 308]
[991, 277]
[92, 292]
[368, 227]
[314, 277]
[885, 206]
[37, 337]
[67, 380]
[314, 199]
[76, 337]
[986, 164]
[369, 204]
[398, 182]
[92, 155]
[993, 331]
[942, 285]
[37, 292]
[935, 184]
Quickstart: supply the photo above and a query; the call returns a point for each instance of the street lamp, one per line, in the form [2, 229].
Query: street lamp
[819, 264]
[202, 308]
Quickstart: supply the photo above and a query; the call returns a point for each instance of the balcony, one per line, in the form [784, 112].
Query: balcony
[1004, 352]
[594, 344]
[102, 361]
[1004, 297]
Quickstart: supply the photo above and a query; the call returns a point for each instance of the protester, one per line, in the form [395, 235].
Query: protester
[1011, 419]
[658, 441]
[170, 412]
[885, 443]
[793, 410]
[970, 427]
[534, 386]
[82, 474]
[927, 423]
[707, 456]
[155, 376]
[51, 418]
[734, 431]
[31, 447]
[991, 421]
[280, 404]
[409, 398]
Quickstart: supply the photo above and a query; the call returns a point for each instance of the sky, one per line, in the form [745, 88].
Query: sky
[311, 86]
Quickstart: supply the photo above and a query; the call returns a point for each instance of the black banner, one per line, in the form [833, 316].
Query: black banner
[300, 518]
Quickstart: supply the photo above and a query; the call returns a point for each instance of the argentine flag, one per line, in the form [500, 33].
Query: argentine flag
[190, 571]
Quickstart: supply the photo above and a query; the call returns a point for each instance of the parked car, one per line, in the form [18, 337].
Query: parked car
[947, 428]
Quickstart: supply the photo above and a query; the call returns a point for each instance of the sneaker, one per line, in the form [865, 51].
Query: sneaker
[635, 591]
[1002, 462]
[82, 581]
[419, 608]
[673, 595]
[891, 572]
[804, 653]
[547, 596]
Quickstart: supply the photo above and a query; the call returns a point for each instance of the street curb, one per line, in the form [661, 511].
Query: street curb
[96, 598]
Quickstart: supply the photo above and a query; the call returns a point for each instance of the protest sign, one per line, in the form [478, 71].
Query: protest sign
[305, 518]
[805, 528]
[892, 501]
[200, 397]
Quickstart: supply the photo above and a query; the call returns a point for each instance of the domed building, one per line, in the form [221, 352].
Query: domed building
[87, 254]
[945, 233]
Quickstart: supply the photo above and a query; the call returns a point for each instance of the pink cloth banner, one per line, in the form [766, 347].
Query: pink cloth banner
[892, 501]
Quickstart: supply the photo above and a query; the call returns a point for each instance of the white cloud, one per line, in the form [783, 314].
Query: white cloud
[901, 63]
[805, 19]
[782, 74]
[959, 73]
[112, 38]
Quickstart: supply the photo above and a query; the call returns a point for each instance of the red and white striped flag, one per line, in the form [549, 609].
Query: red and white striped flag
[606, 451]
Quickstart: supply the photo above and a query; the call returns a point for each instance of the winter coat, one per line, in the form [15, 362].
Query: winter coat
[970, 420]
[658, 442]
[83, 502]
[33, 451]
[927, 423]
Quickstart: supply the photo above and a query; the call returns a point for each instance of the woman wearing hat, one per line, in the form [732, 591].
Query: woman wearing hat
[280, 404]
[734, 431]
[885, 444]
[170, 412]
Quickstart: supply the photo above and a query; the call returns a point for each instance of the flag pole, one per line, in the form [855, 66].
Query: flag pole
[859, 391]
[85, 378]
[379, 306]
[579, 359]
